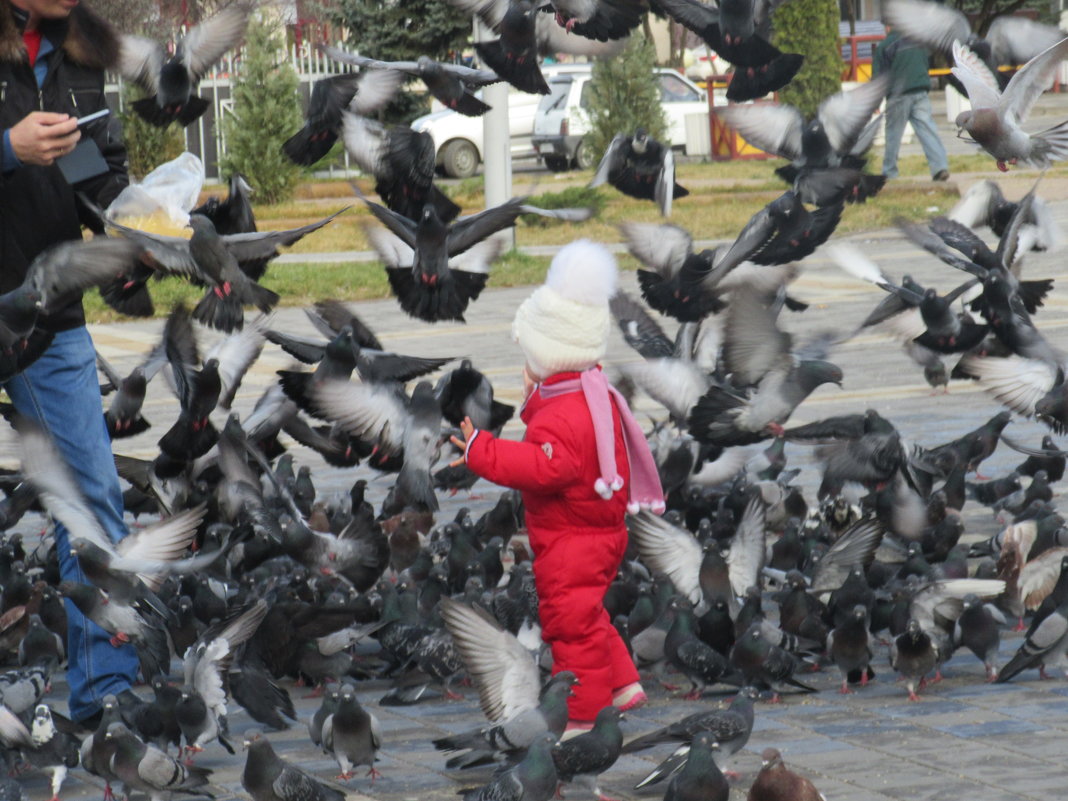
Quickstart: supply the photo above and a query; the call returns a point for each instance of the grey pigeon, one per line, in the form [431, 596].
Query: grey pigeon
[352, 735]
[516, 733]
[268, 777]
[146, 768]
[994, 119]
[533, 779]
[1044, 646]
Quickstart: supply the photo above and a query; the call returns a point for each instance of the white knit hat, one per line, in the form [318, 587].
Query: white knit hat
[563, 326]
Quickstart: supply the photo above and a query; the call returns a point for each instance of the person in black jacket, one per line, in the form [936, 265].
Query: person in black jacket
[53, 54]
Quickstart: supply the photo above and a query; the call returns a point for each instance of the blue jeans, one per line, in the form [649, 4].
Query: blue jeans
[914, 107]
[61, 391]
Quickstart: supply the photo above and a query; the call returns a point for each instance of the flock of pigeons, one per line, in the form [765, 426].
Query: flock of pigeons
[253, 579]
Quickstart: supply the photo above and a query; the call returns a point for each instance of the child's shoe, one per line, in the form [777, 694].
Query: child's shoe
[630, 697]
[576, 727]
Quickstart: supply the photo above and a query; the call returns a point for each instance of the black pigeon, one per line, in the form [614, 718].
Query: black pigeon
[466, 392]
[451, 84]
[362, 93]
[668, 259]
[641, 167]
[700, 778]
[731, 30]
[849, 646]
[215, 260]
[171, 80]
[268, 777]
[763, 663]
[403, 162]
[826, 152]
[266, 701]
[588, 755]
[193, 434]
[977, 630]
[418, 254]
[514, 55]
[534, 778]
[601, 20]
[914, 654]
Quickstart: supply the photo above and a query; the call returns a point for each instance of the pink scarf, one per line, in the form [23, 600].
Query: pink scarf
[645, 489]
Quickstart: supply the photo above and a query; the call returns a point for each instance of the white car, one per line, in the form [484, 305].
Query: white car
[458, 139]
[561, 123]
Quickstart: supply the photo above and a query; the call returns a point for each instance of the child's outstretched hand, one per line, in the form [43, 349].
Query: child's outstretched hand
[467, 428]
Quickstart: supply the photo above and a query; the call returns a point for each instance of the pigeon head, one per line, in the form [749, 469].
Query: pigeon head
[962, 122]
[970, 601]
[251, 736]
[816, 372]
[201, 224]
[640, 142]
[913, 629]
[770, 757]
[860, 612]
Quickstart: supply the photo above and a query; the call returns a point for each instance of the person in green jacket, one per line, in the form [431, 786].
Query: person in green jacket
[907, 101]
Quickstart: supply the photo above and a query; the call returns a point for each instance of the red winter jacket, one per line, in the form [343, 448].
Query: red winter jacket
[555, 466]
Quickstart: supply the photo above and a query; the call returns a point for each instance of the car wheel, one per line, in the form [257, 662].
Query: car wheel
[585, 158]
[460, 159]
[556, 163]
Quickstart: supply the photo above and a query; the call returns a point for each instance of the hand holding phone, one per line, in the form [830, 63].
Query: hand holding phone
[96, 115]
[43, 136]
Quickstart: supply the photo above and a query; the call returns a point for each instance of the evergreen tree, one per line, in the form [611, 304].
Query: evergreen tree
[810, 27]
[624, 94]
[266, 112]
[403, 30]
[147, 146]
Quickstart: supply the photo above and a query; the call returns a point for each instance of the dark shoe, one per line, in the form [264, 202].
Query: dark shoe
[941, 175]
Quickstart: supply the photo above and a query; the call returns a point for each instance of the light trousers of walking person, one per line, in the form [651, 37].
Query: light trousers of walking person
[915, 108]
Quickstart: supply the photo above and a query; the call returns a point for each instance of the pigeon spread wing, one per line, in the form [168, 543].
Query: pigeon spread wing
[1031, 80]
[774, 128]
[503, 670]
[746, 557]
[670, 550]
[980, 83]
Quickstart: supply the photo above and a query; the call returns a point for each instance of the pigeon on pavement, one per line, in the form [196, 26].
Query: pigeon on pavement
[268, 777]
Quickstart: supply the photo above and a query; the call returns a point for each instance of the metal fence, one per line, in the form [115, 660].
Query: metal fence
[205, 136]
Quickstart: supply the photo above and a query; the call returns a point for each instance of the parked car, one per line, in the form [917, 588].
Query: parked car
[458, 139]
[561, 124]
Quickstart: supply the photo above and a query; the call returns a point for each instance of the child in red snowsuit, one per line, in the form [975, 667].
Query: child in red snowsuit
[576, 461]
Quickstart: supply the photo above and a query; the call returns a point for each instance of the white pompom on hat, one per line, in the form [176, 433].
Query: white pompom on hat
[563, 326]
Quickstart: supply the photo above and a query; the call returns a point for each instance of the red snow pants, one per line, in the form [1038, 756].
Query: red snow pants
[572, 571]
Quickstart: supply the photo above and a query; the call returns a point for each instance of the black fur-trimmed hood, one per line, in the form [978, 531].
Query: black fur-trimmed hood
[87, 39]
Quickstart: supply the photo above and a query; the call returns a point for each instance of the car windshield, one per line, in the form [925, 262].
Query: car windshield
[558, 89]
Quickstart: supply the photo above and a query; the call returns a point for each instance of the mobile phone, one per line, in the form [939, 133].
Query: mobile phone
[96, 115]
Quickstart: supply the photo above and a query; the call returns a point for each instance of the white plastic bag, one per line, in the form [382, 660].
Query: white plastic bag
[164, 198]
